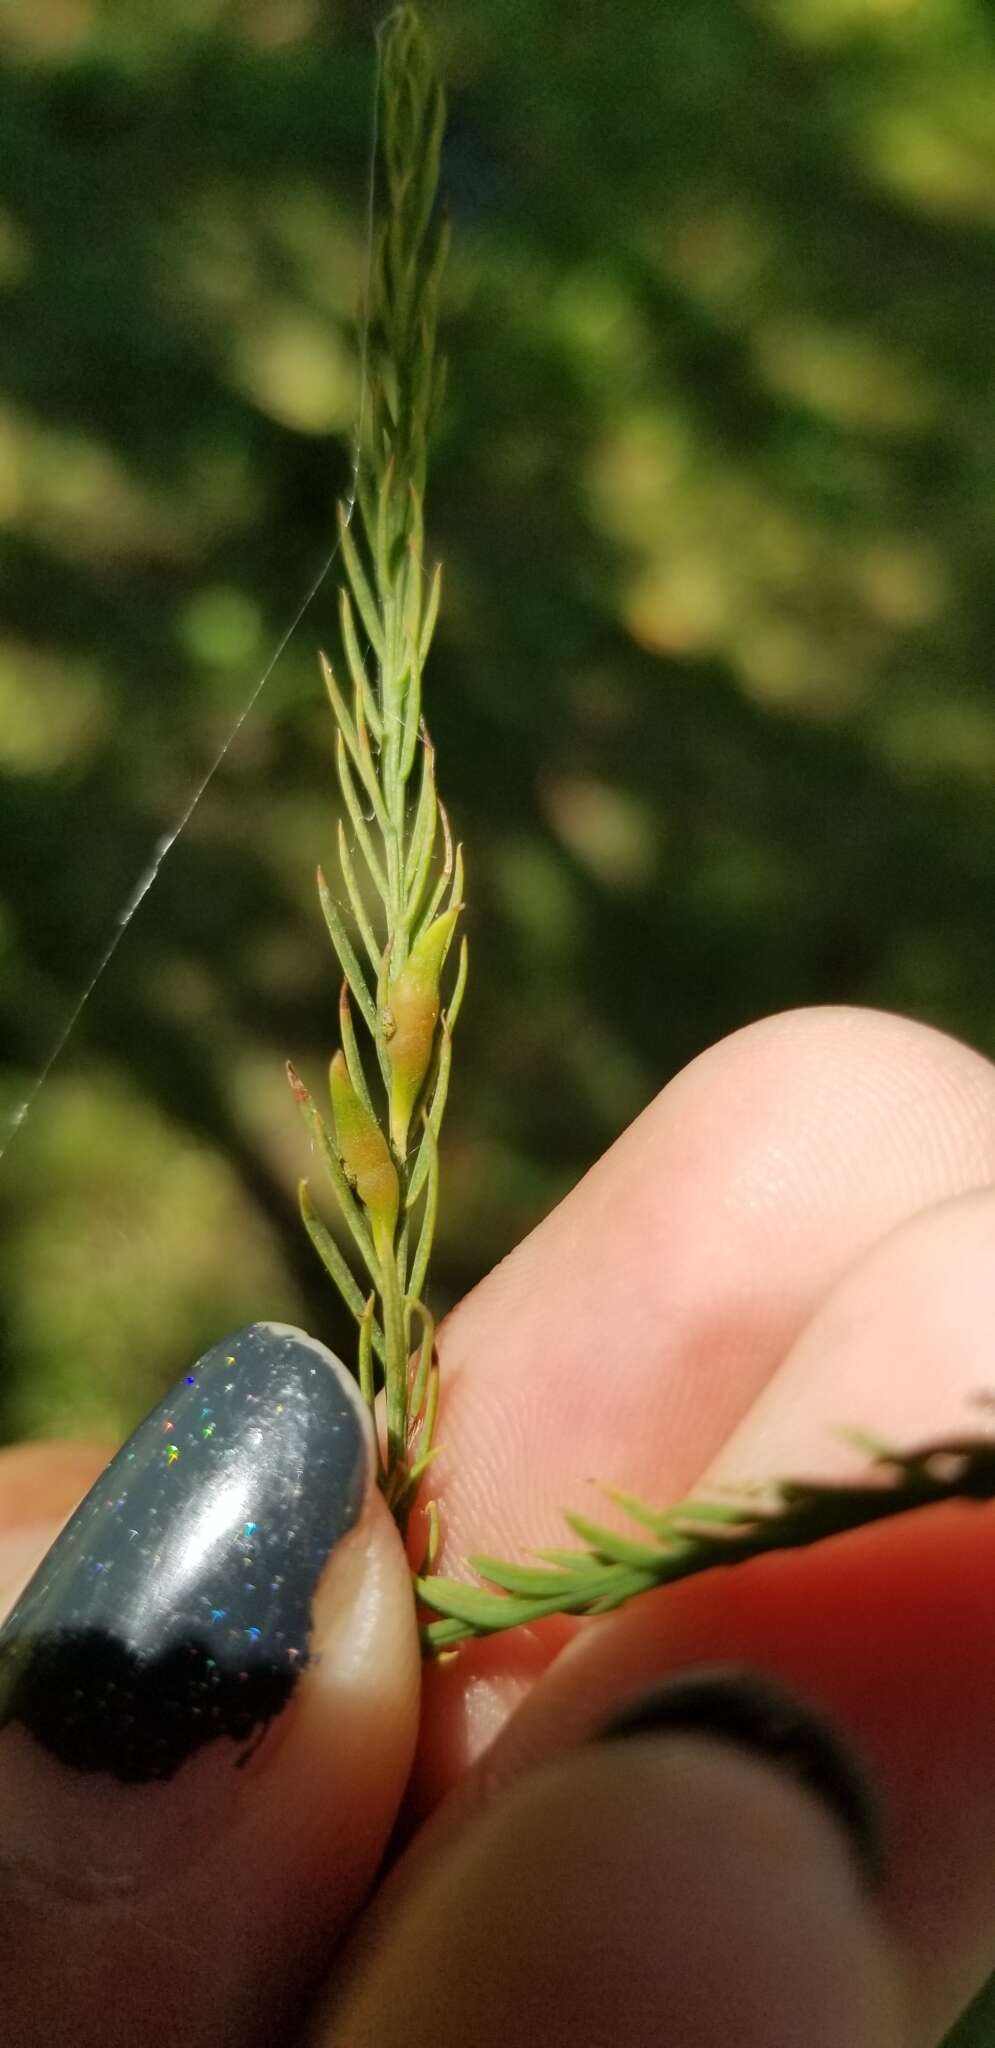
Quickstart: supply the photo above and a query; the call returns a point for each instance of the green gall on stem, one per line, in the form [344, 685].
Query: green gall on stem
[409, 1019]
[365, 1156]
[387, 861]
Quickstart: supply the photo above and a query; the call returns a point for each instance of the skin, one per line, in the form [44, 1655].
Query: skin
[796, 1234]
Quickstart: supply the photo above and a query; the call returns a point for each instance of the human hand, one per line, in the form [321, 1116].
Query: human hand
[796, 1234]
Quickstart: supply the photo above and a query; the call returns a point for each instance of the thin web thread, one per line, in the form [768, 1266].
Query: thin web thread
[165, 844]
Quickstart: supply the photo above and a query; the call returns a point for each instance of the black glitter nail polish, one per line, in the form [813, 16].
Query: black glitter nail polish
[733, 1704]
[175, 1608]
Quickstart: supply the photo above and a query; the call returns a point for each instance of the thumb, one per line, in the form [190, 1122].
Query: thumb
[208, 1705]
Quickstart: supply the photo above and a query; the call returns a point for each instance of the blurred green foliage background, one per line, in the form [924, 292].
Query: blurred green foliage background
[715, 490]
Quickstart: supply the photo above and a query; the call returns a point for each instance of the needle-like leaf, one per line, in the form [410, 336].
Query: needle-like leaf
[698, 1536]
[398, 999]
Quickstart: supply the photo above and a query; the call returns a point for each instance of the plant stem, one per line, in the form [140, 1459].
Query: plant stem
[700, 1536]
[377, 1181]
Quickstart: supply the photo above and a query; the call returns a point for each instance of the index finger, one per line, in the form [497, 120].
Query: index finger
[625, 1339]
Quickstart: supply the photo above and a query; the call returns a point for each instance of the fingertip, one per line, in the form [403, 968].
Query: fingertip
[660, 1885]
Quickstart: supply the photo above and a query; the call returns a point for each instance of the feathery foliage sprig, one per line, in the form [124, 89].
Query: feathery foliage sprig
[701, 1535]
[404, 895]
[403, 882]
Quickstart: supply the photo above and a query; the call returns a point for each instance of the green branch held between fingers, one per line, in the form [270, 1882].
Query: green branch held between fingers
[403, 884]
[394, 921]
[699, 1536]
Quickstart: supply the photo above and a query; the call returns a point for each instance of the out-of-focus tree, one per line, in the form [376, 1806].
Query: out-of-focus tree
[715, 489]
